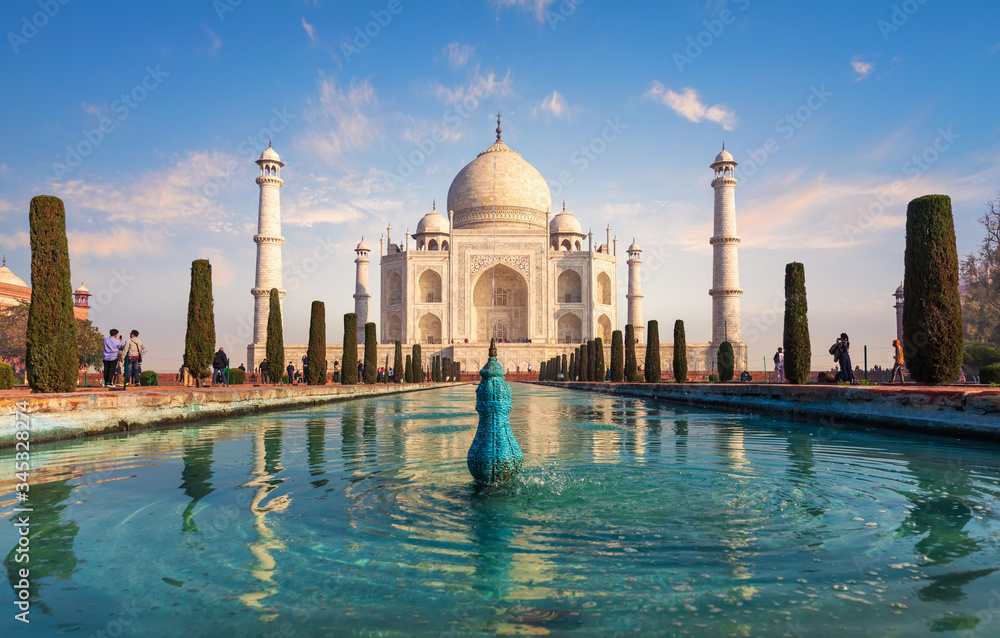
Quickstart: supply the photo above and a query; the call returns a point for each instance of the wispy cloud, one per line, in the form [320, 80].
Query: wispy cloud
[861, 67]
[310, 31]
[342, 119]
[555, 105]
[215, 39]
[688, 104]
[16, 240]
[458, 54]
[349, 198]
[479, 86]
[6, 206]
[117, 242]
[536, 7]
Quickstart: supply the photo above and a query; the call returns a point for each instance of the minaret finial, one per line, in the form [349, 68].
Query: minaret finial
[435, 205]
[269, 143]
[493, 347]
[723, 146]
[5, 260]
[499, 130]
[564, 205]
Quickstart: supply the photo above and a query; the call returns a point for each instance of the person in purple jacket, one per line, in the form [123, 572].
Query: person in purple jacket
[112, 346]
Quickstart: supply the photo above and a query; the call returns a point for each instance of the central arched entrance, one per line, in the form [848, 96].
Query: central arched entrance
[501, 312]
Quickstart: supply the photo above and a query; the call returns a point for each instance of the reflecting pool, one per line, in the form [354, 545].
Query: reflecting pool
[631, 517]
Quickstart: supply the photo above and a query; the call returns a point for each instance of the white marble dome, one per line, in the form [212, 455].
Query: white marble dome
[8, 277]
[270, 154]
[433, 222]
[565, 223]
[499, 175]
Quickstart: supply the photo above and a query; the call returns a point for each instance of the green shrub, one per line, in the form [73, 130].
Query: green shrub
[150, 378]
[680, 353]
[565, 368]
[600, 370]
[990, 374]
[584, 362]
[6, 376]
[978, 355]
[236, 376]
[397, 363]
[932, 311]
[51, 346]
[617, 357]
[408, 370]
[651, 371]
[798, 351]
[371, 354]
[418, 364]
[316, 354]
[571, 372]
[275, 347]
[631, 363]
[726, 362]
[349, 366]
[436, 369]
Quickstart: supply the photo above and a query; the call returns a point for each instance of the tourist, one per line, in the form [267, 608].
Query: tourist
[112, 347]
[263, 372]
[844, 350]
[361, 372]
[961, 375]
[305, 364]
[336, 372]
[897, 368]
[242, 367]
[117, 380]
[219, 363]
[132, 353]
[779, 366]
[291, 372]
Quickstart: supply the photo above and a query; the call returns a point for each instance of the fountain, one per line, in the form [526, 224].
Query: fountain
[494, 457]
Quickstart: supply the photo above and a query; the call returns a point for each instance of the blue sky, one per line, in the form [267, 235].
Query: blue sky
[839, 114]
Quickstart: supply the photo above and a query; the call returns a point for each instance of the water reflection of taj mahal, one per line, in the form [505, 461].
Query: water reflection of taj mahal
[500, 264]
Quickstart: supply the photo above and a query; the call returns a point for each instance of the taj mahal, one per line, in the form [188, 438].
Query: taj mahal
[498, 264]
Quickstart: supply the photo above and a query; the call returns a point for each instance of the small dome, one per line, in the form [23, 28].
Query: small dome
[362, 245]
[899, 290]
[8, 277]
[724, 156]
[565, 223]
[270, 154]
[433, 222]
[81, 289]
[634, 247]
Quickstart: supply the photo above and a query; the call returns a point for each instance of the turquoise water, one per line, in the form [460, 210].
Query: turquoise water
[632, 517]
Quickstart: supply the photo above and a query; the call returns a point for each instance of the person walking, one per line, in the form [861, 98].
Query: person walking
[897, 367]
[219, 363]
[291, 372]
[305, 365]
[779, 366]
[112, 347]
[361, 372]
[336, 372]
[844, 348]
[132, 355]
[263, 371]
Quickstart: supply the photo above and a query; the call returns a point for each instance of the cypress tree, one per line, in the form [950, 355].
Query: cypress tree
[932, 311]
[617, 357]
[680, 353]
[275, 347]
[584, 355]
[631, 363]
[458, 370]
[651, 370]
[542, 376]
[591, 360]
[446, 373]
[726, 361]
[798, 351]
[371, 354]
[199, 342]
[349, 368]
[385, 370]
[408, 370]
[600, 370]
[316, 369]
[50, 341]
[436, 369]
[418, 365]
[565, 368]
[572, 366]
[397, 364]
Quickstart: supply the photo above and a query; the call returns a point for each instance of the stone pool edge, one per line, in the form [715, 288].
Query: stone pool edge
[949, 411]
[58, 417]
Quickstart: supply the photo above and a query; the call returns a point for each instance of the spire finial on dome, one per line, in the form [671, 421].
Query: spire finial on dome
[723, 146]
[499, 130]
[5, 260]
[434, 206]
[564, 205]
[269, 143]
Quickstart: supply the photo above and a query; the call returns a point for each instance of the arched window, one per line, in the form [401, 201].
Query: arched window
[603, 289]
[604, 328]
[568, 287]
[395, 332]
[509, 304]
[395, 289]
[501, 297]
[444, 245]
[579, 246]
[432, 245]
[430, 329]
[429, 285]
[566, 245]
[570, 329]
[500, 332]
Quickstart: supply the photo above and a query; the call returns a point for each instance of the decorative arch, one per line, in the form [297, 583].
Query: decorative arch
[432, 245]
[503, 312]
[570, 329]
[566, 245]
[604, 329]
[579, 246]
[430, 329]
[603, 295]
[395, 286]
[429, 287]
[444, 244]
[569, 287]
[395, 331]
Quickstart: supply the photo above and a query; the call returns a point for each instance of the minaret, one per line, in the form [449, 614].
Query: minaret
[634, 295]
[361, 294]
[899, 312]
[269, 241]
[725, 290]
